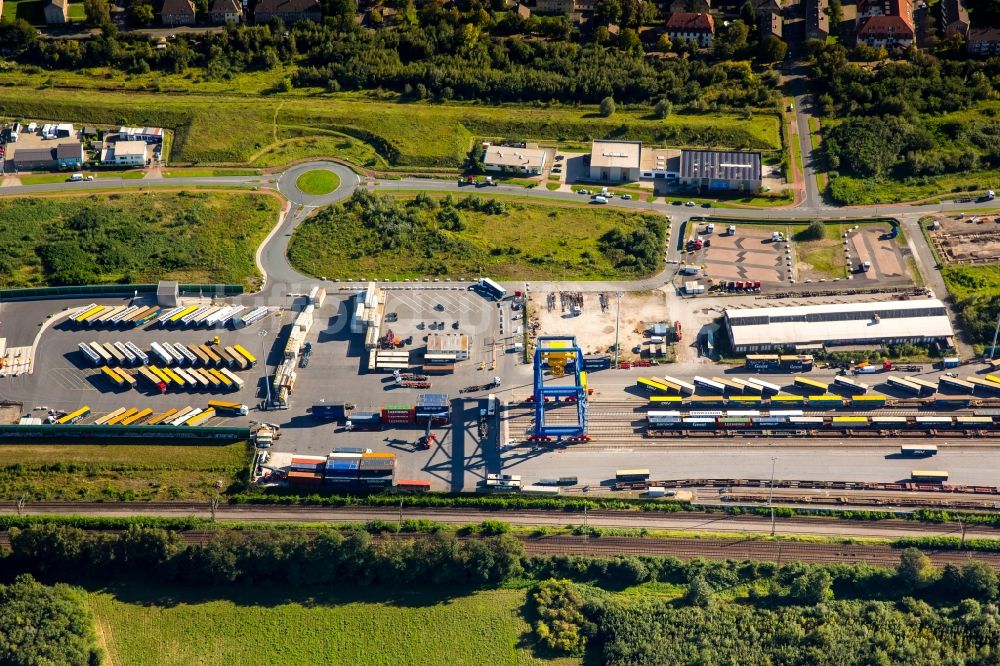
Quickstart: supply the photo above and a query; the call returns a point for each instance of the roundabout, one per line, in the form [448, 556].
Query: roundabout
[317, 182]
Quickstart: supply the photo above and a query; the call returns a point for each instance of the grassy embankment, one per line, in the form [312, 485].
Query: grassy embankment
[148, 625]
[278, 128]
[526, 241]
[119, 472]
[104, 238]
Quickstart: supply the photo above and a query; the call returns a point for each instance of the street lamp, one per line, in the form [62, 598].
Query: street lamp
[770, 495]
[618, 320]
[263, 358]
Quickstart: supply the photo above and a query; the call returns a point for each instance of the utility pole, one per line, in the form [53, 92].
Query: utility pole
[770, 495]
[618, 321]
[992, 352]
[961, 524]
[263, 363]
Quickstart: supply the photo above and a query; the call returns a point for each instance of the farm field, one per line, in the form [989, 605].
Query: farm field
[146, 625]
[118, 471]
[456, 237]
[405, 134]
[106, 238]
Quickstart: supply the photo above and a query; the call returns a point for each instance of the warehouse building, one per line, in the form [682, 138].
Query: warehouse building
[721, 170]
[447, 347]
[615, 161]
[508, 159]
[809, 326]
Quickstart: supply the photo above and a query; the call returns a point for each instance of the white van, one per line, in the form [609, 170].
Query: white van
[598, 199]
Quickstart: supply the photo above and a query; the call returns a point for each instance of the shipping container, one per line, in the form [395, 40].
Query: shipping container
[627, 475]
[331, 411]
[904, 385]
[937, 476]
[214, 359]
[127, 377]
[107, 417]
[766, 388]
[983, 386]
[868, 401]
[233, 408]
[761, 362]
[89, 354]
[74, 416]
[237, 362]
[811, 386]
[918, 449]
[112, 376]
[850, 385]
[231, 376]
[413, 485]
[160, 418]
[686, 388]
[140, 355]
[956, 384]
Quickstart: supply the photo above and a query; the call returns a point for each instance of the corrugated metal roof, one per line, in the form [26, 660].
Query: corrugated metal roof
[723, 165]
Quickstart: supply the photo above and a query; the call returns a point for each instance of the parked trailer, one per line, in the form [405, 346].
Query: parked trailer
[138, 353]
[106, 316]
[146, 374]
[199, 379]
[850, 385]
[868, 401]
[705, 383]
[957, 384]
[227, 384]
[926, 387]
[747, 386]
[686, 388]
[191, 382]
[117, 355]
[903, 385]
[99, 349]
[83, 312]
[632, 475]
[161, 354]
[811, 386]
[73, 417]
[115, 420]
[167, 315]
[239, 360]
[213, 382]
[138, 315]
[183, 418]
[200, 418]
[188, 320]
[87, 319]
[766, 388]
[731, 386]
[918, 450]
[126, 352]
[200, 318]
[107, 417]
[251, 317]
[651, 385]
[189, 356]
[138, 416]
[250, 358]
[152, 315]
[162, 376]
[127, 377]
[174, 377]
[89, 353]
[231, 376]
[176, 318]
[179, 358]
[160, 418]
[211, 358]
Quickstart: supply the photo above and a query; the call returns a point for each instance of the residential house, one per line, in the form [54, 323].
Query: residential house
[33, 159]
[984, 42]
[56, 12]
[69, 155]
[954, 18]
[769, 21]
[177, 12]
[553, 6]
[692, 27]
[288, 11]
[124, 153]
[222, 12]
[523, 11]
[817, 19]
[887, 23]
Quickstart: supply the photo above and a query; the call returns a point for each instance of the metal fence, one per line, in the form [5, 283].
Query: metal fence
[96, 434]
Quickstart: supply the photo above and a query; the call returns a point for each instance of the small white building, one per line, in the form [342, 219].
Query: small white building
[507, 159]
[615, 161]
[447, 347]
[125, 153]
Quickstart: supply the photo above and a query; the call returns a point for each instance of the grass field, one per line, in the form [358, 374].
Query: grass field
[116, 472]
[124, 237]
[868, 191]
[209, 173]
[528, 241]
[296, 147]
[965, 281]
[180, 627]
[318, 182]
[404, 134]
[822, 258]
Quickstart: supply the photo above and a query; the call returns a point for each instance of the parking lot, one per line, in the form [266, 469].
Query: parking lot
[747, 253]
[873, 245]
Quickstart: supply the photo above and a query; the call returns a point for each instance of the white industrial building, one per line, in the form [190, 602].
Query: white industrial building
[889, 322]
[125, 153]
[508, 159]
[615, 161]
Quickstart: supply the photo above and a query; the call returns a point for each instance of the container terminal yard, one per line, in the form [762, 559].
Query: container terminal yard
[429, 388]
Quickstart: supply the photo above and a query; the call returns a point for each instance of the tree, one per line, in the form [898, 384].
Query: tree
[98, 12]
[771, 49]
[663, 109]
[562, 624]
[979, 580]
[731, 40]
[608, 11]
[607, 107]
[45, 625]
[815, 231]
[914, 569]
[699, 593]
[812, 588]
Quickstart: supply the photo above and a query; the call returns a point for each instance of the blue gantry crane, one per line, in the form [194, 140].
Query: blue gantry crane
[559, 353]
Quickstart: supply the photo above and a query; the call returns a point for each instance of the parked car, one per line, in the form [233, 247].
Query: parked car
[690, 204]
[706, 205]
[583, 191]
[626, 197]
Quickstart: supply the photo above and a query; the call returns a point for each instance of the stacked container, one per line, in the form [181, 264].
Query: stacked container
[341, 469]
[398, 414]
[433, 407]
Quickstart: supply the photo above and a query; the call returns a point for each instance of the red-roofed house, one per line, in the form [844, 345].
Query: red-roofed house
[690, 26]
[887, 23]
